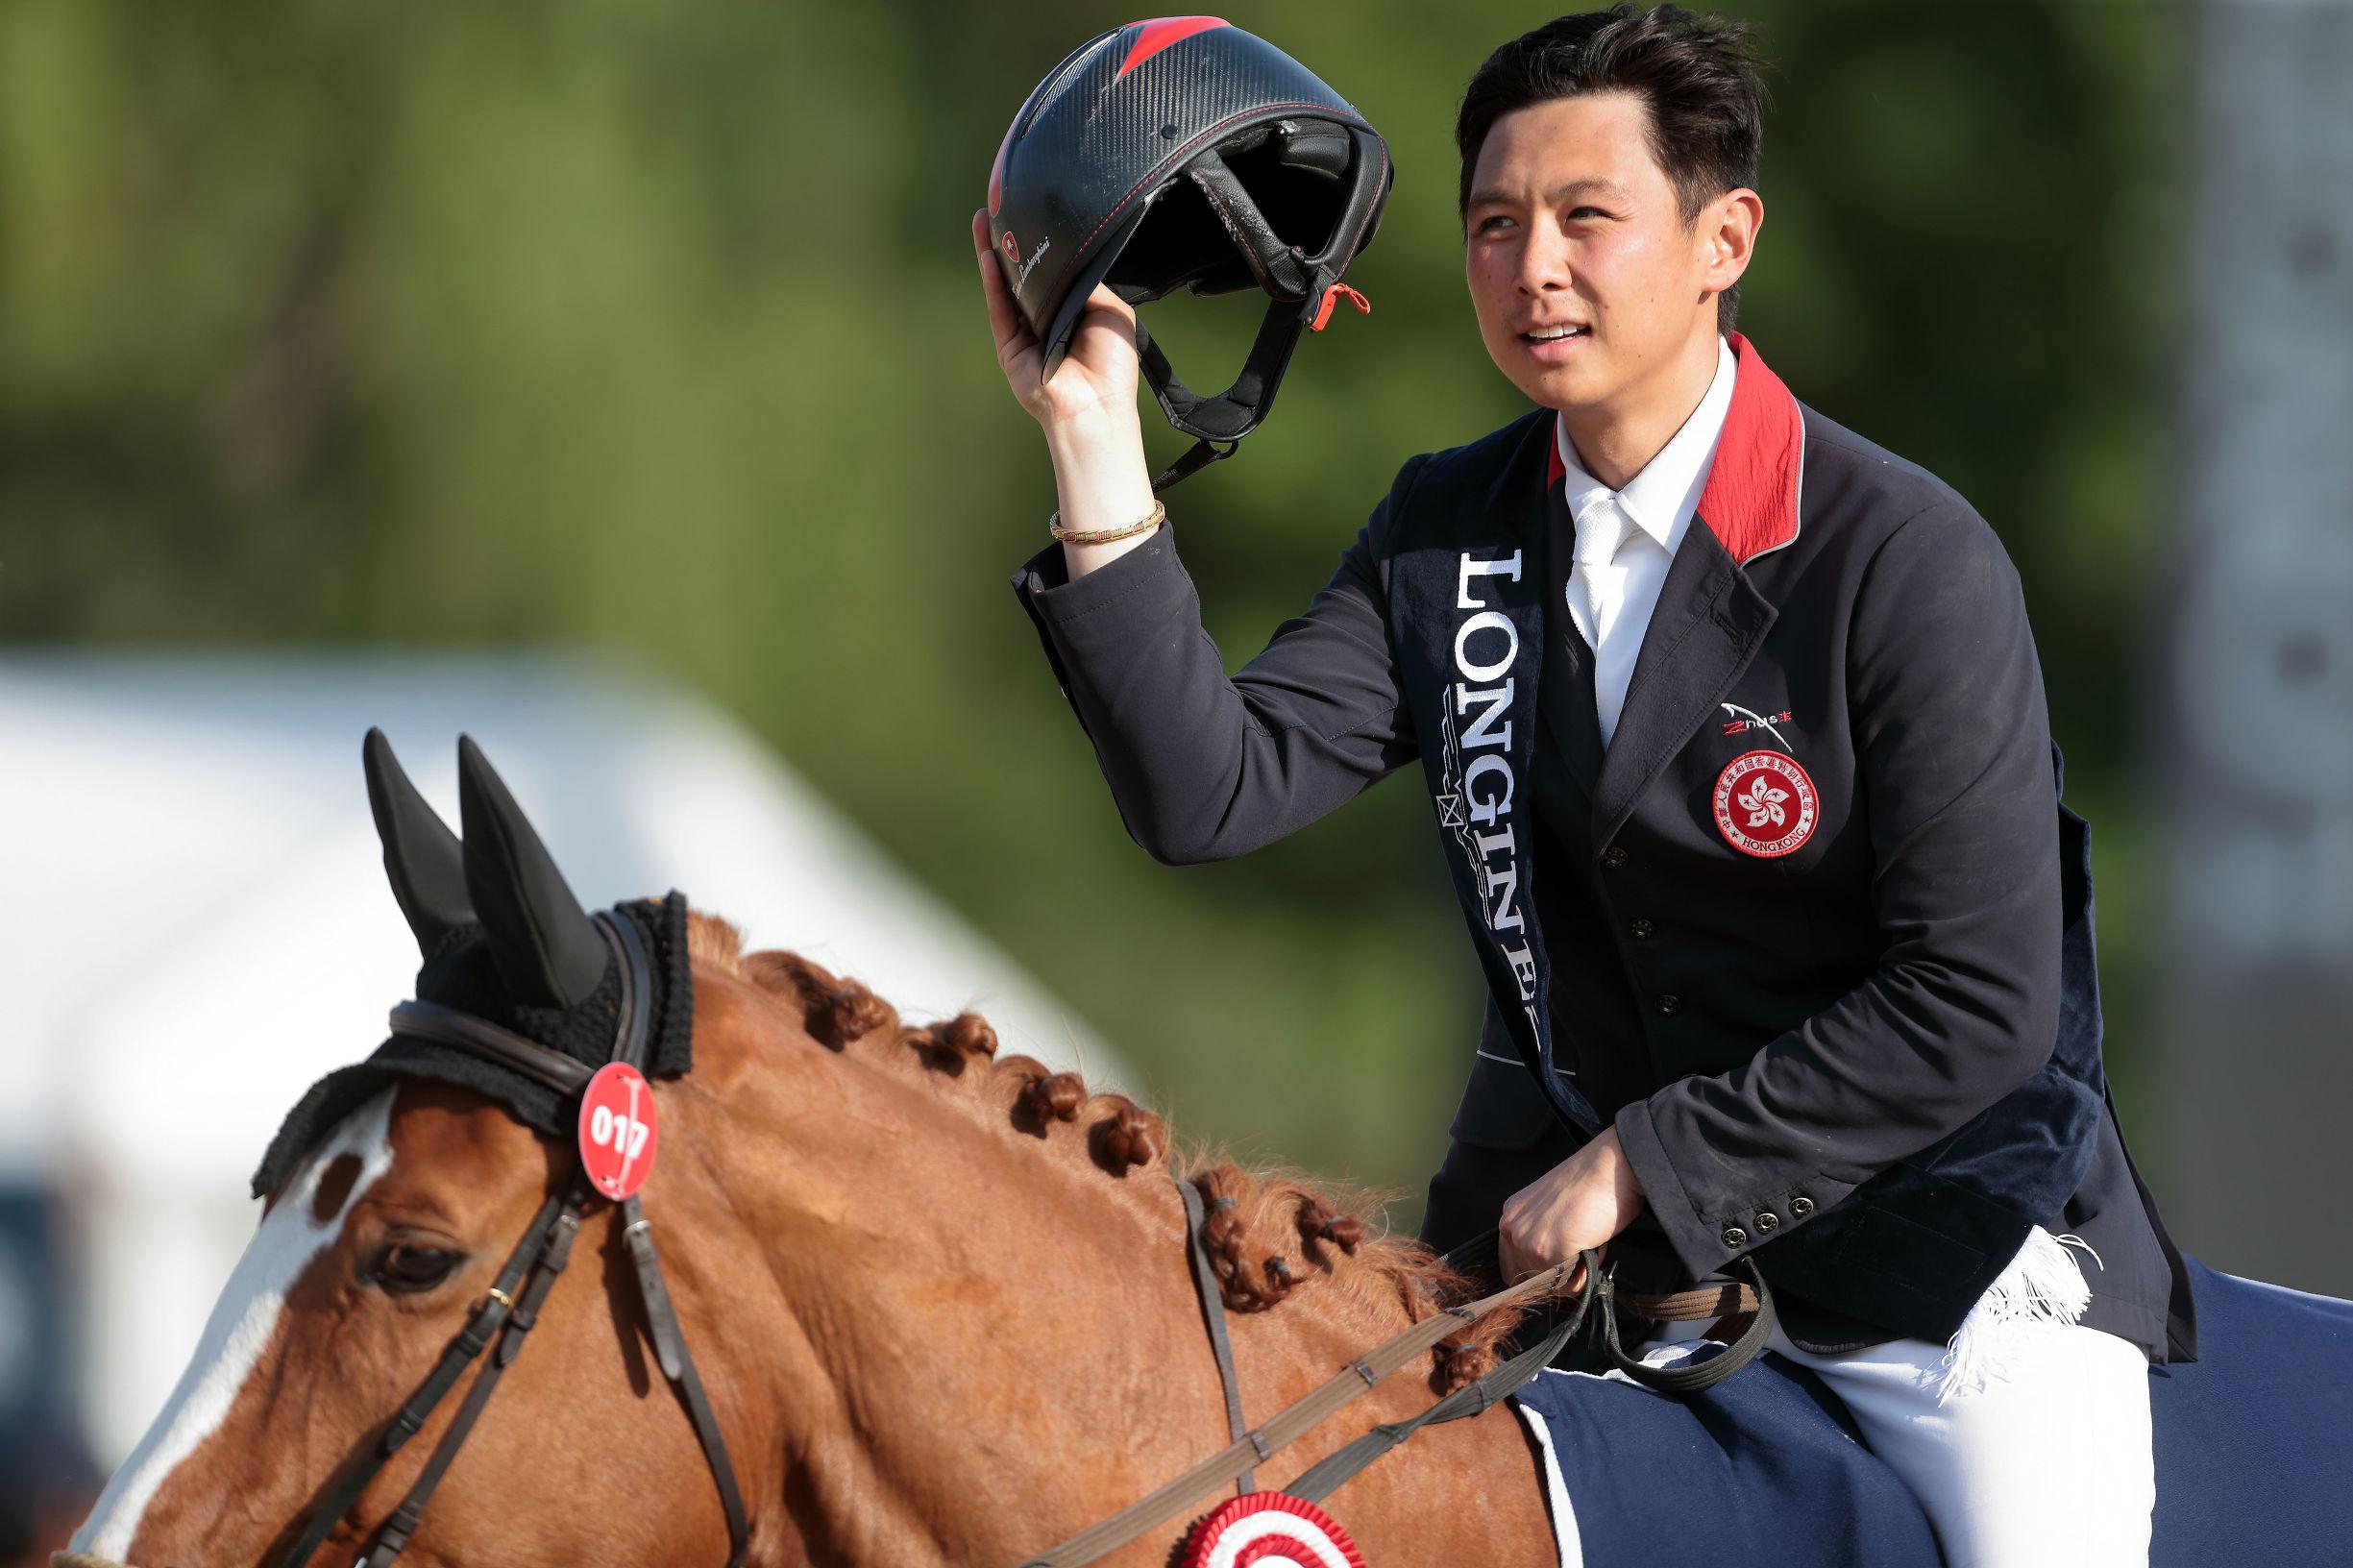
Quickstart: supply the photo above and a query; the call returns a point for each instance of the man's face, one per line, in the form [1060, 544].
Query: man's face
[1573, 226]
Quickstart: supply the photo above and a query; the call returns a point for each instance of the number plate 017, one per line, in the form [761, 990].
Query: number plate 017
[619, 1130]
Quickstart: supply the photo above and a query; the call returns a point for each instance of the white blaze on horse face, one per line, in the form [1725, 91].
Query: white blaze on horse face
[243, 1323]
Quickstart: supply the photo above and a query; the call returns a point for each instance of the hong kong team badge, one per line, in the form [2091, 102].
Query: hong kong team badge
[1271, 1529]
[1765, 804]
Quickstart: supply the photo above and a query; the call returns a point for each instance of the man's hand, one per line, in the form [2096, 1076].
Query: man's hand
[1095, 385]
[1087, 410]
[1579, 1203]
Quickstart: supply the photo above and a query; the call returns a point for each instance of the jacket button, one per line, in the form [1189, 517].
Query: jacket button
[1801, 1206]
[1734, 1237]
[1613, 857]
[1767, 1219]
[1639, 929]
[1669, 1004]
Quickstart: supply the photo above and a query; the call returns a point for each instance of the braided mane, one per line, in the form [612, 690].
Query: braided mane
[1268, 1233]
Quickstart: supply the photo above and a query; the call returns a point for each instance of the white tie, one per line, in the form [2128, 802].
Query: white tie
[1596, 585]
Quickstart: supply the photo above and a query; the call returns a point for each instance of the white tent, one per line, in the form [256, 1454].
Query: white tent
[196, 923]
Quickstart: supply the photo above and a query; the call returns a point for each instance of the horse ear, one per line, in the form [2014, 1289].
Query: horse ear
[422, 856]
[546, 947]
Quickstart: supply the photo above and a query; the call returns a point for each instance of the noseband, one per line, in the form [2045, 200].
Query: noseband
[512, 1304]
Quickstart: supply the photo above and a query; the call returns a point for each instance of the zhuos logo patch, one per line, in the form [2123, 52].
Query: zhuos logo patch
[1765, 804]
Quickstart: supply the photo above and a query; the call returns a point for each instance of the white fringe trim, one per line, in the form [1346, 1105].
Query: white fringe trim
[2043, 1288]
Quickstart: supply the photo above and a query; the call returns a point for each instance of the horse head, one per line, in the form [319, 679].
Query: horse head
[401, 1186]
[933, 1305]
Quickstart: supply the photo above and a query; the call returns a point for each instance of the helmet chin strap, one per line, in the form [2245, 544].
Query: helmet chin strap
[1232, 414]
[1302, 287]
[1197, 457]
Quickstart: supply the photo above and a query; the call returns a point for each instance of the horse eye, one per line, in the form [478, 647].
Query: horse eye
[403, 1269]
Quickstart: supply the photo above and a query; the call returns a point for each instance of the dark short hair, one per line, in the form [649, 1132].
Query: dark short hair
[1700, 77]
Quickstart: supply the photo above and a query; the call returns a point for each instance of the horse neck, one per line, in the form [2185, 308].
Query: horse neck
[984, 1339]
[946, 1303]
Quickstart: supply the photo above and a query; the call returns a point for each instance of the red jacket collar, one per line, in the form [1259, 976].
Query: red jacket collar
[1751, 502]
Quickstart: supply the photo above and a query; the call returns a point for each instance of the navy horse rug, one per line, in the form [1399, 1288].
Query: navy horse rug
[2254, 1450]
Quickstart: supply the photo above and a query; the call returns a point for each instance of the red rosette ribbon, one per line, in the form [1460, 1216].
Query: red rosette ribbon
[1270, 1530]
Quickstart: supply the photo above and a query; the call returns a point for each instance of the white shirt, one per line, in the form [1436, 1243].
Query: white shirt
[1659, 503]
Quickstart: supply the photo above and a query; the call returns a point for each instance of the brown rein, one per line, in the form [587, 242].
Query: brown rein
[1725, 1302]
[1295, 1420]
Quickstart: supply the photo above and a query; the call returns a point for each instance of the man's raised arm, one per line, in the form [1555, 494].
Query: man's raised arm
[1202, 766]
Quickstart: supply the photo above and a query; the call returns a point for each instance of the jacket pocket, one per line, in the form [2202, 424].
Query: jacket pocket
[1501, 1107]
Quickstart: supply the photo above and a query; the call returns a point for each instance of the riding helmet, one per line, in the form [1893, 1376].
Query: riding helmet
[1184, 152]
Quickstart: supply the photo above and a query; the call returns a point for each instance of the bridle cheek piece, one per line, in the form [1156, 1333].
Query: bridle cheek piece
[511, 1305]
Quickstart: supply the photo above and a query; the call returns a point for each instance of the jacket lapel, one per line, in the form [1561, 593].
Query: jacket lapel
[1709, 623]
[1710, 618]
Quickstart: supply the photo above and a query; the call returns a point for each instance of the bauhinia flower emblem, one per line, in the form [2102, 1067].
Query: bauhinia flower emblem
[1763, 804]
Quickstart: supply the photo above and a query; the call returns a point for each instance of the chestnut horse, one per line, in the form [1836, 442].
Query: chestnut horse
[941, 1302]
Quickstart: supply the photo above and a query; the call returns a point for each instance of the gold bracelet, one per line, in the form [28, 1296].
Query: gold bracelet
[1104, 536]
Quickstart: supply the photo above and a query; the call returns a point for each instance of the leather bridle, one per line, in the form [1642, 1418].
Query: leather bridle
[512, 1304]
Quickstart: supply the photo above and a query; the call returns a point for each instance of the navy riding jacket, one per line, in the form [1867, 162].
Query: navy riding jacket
[1812, 931]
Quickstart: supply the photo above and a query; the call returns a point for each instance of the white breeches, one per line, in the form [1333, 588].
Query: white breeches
[2046, 1463]
[2048, 1467]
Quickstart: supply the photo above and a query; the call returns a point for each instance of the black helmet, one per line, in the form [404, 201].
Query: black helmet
[1186, 152]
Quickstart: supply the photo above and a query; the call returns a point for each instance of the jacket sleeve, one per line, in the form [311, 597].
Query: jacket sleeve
[1954, 767]
[1204, 766]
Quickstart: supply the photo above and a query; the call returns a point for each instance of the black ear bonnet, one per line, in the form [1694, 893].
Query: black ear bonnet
[531, 962]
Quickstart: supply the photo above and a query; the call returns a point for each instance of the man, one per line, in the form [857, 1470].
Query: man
[1736, 740]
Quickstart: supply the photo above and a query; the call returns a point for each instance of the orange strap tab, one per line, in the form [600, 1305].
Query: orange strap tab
[1331, 297]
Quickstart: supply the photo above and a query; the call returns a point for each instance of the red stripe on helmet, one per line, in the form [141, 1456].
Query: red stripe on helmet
[1160, 34]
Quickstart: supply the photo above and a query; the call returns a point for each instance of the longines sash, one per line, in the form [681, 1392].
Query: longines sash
[1469, 628]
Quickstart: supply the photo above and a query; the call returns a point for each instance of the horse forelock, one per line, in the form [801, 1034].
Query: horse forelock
[1268, 1232]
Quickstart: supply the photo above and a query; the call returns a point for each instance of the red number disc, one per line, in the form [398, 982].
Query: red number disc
[619, 1130]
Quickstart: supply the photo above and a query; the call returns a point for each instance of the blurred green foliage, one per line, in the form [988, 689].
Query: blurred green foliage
[656, 329]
